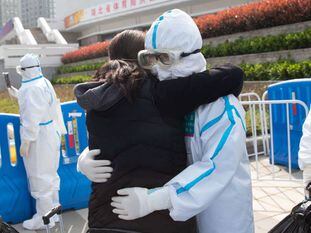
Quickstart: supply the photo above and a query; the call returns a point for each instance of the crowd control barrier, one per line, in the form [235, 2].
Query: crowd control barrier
[299, 89]
[15, 200]
[75, 188]
[16, 204]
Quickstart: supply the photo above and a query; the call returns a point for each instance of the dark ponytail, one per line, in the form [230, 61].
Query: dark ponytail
[125, 75]
[122, 69]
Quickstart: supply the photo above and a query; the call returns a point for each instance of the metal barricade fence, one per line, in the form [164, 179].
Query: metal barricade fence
[258, 133]
[265, 167]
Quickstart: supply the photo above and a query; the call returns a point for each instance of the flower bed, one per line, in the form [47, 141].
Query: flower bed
[254, 16]
[260, 45]
[87, 52]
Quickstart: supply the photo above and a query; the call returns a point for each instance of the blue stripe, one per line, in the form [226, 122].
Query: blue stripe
[211, 123]
[45, 123]
[155, 31]
[222, 142]
[239, 116]
[197, 180]
[33, 79]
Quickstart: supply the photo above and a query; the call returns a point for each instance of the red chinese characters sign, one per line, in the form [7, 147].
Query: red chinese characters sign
[107, 8]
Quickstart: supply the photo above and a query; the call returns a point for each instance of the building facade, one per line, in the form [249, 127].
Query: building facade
[102, 21]
[8, 10]
[31, 10]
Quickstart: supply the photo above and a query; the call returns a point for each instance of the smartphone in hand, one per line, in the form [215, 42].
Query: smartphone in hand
[7, 79]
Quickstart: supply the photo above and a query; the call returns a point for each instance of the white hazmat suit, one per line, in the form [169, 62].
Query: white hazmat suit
[216, 187]
[40, 136]
[304, 155]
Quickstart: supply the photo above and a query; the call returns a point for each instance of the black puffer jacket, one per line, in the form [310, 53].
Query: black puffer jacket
[145, 139]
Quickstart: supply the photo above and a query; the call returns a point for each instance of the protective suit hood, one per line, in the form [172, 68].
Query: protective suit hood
[29, 60]
[97, 95]
[176, 30]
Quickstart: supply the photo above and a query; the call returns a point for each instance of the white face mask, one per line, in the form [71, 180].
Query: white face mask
[29, 73]
[162, 73]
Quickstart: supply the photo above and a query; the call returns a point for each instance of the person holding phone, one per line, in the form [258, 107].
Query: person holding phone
[41, 129]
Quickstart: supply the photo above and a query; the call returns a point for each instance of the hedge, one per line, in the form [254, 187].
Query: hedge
[281, 70]
[72, 79]
[260, 44]
[252, 16]
[79, 68]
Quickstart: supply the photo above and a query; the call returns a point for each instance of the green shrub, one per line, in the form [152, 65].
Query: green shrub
[72, 79]
[260, 44]
[281, 70]
[79, 68]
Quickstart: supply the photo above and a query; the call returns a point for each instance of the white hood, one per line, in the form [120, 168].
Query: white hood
[176, 30]
[27, 61]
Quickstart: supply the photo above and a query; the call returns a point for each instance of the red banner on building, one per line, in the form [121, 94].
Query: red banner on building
[109, 7]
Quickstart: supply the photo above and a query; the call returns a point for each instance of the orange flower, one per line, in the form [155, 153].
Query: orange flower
[87, 52]
[254, 16]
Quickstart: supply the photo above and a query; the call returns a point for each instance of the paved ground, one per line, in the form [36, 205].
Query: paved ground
[273, 199]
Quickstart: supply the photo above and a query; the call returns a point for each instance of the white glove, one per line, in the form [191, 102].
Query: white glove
[95, 170]
[24, 149]
[13, 92]
[306, 178]
[138, 202]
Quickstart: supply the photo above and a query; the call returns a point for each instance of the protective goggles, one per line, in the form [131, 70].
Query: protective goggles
[149, 58]
[19, 69]
[29, 67]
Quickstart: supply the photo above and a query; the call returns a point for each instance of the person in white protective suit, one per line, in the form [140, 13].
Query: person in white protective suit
[304, 155]
[216, 187]
[41, 129]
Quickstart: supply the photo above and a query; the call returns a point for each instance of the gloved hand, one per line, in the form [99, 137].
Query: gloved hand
[306, 178]
[24, 149]
[135, 203]
[95, 170]
[13, 92]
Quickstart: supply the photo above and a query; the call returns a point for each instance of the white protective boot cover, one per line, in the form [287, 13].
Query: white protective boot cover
[36, 223]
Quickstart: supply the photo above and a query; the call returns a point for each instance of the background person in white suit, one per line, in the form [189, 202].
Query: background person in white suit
[41, 128]
[304, 155]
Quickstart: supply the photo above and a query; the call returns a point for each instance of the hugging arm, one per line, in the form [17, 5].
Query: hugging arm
[181, 96]
[197, 186]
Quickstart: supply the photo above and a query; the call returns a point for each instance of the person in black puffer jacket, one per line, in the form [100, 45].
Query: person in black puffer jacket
[137, 123]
